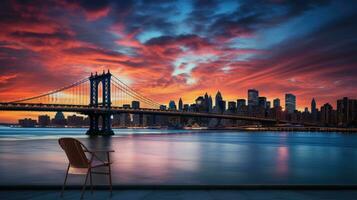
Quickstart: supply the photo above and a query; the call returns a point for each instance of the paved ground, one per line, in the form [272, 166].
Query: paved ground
[185, 194]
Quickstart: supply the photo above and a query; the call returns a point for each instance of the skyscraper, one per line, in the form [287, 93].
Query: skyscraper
[172, 105]
[220, 104]
[232, 106]
[180, 105]
[347, 112]
[241, 107]
[268, 105]
[313, 105]
[262, 102]
[290, 103]
[327, 117]
[218, 98]
[253, 97]
[240, 103]
[135, 104]
[210, 104]
[276, 103]
[313, 110]
[201, 104]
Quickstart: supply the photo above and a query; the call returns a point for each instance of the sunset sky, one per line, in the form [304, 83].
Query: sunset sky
[183, 48]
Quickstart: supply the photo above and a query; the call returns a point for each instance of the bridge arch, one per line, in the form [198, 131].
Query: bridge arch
[100, 81]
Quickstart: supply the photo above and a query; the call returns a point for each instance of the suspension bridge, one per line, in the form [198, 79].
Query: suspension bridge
[102, 95]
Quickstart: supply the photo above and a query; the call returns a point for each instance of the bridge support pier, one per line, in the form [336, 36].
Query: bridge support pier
[106, 128]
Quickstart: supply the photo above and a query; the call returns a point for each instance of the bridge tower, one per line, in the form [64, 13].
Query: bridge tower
[95, 81]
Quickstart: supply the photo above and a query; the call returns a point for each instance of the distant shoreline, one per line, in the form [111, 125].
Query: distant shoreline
[301, 129]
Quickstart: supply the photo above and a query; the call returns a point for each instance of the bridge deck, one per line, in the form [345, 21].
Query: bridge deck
[114, 110]
[85, 109]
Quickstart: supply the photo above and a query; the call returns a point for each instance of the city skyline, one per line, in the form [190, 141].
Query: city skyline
[175, 102]
[256, 106]
[191, 48]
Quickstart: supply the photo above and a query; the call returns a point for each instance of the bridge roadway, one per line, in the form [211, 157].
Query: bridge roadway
[84, 109]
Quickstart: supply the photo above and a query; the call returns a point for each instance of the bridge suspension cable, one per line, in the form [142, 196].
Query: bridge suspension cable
[121, 96]
[78, 93]
[118, 84]
[70, 94]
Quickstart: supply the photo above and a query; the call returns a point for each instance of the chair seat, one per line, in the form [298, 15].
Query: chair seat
[76, 170]
[83, 171]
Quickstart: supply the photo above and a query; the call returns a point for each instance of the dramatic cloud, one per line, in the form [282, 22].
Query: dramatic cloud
[172, 49]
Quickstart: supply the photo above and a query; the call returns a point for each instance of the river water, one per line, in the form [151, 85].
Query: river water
[144, 156]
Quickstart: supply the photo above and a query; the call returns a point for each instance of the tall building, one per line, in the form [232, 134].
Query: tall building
[240, 103]
[276, 103]
[180, 105]
[262, 102]
[347, 112]
[59, 119]
[135, 104]
[253, 97]
[290, 103]
[327, 116]
[242, 108]
[220, 104]
[268, 104]
[186, 107]
[313, 105]
[210, 104]
[200, 104]
[232, 106]
[313, 110]
[172, 105]
[44, 120]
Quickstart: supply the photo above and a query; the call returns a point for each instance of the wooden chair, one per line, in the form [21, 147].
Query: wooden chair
[80, 164]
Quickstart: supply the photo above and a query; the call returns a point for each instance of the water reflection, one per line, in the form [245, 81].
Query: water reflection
[193, 158]
[282, 165]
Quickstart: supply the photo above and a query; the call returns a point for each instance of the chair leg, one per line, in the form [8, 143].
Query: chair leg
[110, 175]
[85, 183]
[65, 180]
[91, 181]
[110, 181]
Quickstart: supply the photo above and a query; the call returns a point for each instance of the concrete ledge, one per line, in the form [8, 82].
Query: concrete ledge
[184, 187]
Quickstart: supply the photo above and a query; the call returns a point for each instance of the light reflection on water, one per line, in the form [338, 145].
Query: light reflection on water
[32, 156]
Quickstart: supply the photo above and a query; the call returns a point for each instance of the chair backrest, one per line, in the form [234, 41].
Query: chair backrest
[74, 150]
